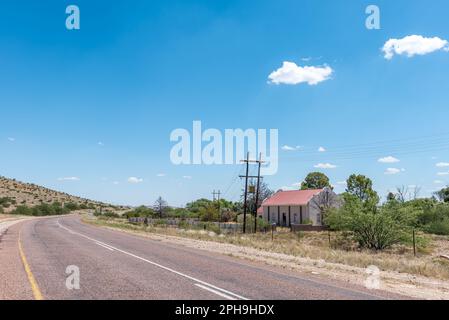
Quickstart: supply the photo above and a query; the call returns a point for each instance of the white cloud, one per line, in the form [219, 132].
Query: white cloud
[321, 149]
[101, 144]
[325, 166]
[11, 139]
[115, 182]
[442, 164]
[296, 184]
[413, 45]
[443, 173]
[292, 74]
[438, 182]
[290, 148]
[343, 183]
[161, 175]
[287, 148]
[388, 159]
[392, 171]
[187, 177]
[134, 180]
[69, 179]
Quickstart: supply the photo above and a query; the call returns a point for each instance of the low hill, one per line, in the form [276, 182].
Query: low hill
[14, 193]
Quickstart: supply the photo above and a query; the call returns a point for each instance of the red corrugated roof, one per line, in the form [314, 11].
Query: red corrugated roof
[291, 198]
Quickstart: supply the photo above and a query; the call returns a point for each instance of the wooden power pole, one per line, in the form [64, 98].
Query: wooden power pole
[246, 176]
[257, 192]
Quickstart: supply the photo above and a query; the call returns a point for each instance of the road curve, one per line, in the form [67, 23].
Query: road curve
[115, 265]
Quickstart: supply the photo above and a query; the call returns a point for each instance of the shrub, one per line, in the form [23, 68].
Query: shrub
[71, 206]
[209, 213]
[372, 229]
[110, 214]
[141, 211]
[438, 227]
[23, 211]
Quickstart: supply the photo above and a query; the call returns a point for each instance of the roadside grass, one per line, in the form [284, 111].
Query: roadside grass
[315, 246]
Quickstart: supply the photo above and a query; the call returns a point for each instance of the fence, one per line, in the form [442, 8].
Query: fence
[307, 227]
[192, 223]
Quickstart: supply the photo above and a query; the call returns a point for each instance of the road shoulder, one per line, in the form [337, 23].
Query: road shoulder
[14, 284]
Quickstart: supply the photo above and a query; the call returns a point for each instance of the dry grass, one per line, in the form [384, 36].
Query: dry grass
[315, 246]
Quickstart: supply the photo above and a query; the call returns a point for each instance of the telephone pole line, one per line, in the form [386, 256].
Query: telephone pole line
[218, 193]
[257, 192]
[246, 176]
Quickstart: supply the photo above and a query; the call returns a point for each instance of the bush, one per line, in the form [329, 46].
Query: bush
[23, 211]
[372, 229]
[438, 227]
[209, 213]
[71, 206]
[41, 210]
[110, 214]
[141, 211]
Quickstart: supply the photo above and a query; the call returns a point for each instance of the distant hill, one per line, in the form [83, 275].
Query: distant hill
[14, 193]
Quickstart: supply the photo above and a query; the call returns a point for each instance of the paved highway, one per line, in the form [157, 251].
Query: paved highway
[35, 254]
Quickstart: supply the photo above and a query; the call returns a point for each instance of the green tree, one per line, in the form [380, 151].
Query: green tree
[371, 229]
[209, 212]
[391, 196]
[361, 187]
[315, 180]
[443, 194]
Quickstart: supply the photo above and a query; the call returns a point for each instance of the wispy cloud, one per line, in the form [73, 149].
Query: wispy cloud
[69, 179]
[442, 164]
[135, 180]
[101, 144]
[187, 177]
[325, 166]
[160, 175]
[445, 173]
[413, 45]
[388, 159]
[289, 148]
[11, 139]
[438, 182]
[321, 149]
[393, 171]
[292, 74]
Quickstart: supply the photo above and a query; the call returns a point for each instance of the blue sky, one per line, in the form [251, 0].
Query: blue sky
[98, 104]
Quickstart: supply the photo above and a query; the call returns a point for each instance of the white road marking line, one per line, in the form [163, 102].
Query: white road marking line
[106, 247]
[218, 293]
[210, 286]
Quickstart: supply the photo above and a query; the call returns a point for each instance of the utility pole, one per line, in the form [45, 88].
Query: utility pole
[257, 192]
[218, 193]
[246, 176]
[246, 193]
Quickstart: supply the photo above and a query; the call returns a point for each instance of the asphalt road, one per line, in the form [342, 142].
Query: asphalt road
[35, 255]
